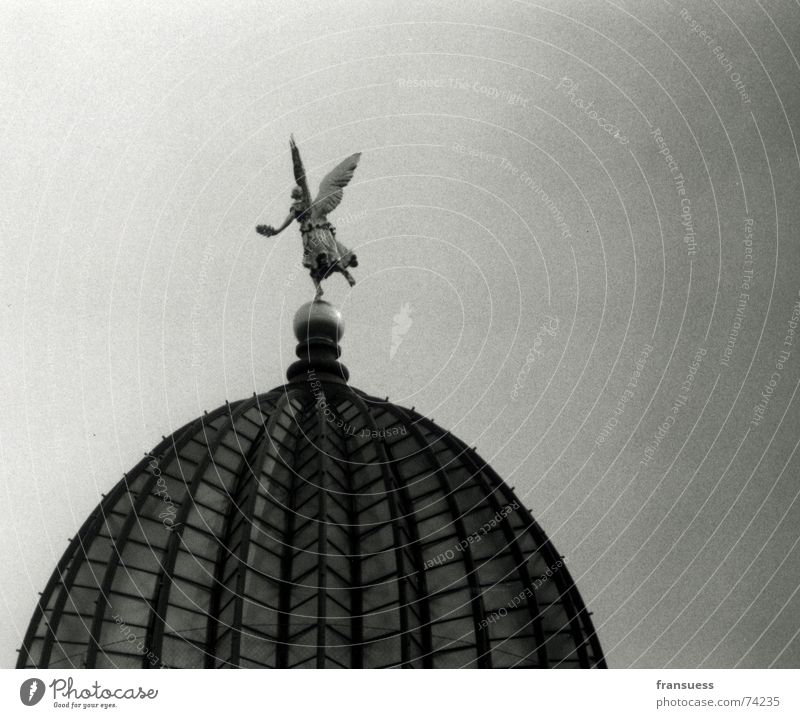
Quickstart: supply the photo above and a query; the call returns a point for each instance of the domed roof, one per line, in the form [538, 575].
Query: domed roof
[311, 526]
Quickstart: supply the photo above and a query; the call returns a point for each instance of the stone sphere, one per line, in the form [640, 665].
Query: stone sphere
[318, 320]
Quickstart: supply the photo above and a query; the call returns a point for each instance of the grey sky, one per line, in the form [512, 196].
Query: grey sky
[539, 257]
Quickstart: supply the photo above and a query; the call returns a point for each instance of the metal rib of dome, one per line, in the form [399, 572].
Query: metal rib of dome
[311, 526]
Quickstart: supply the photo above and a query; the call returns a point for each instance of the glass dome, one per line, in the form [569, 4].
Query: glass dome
[311, 526]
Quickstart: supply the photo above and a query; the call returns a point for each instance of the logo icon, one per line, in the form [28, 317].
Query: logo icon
[402, 323]
[31, 691]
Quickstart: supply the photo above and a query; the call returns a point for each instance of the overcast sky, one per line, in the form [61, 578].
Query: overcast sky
[577, 227]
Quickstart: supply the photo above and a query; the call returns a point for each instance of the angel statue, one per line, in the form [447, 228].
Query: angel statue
[322, 252]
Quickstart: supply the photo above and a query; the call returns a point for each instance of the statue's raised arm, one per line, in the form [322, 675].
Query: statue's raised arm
[322, 252]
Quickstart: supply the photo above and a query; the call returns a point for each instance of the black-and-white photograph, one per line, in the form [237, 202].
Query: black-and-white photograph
[378, 334]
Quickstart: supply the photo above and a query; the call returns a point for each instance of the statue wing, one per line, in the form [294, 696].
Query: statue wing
[299, 172]
[330, 189]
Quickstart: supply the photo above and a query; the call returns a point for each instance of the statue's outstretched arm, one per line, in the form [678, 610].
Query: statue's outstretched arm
[270, 231]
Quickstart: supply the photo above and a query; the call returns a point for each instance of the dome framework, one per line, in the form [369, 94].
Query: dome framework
[311, 526]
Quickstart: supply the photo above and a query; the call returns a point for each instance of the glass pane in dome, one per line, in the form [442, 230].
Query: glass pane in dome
[226, 458]
[240, 438]
[90, 573]
[302, 605]
[305, 492]
[560, 647]
[180, 620]
[223, 644]
[301, 656]
[513, 621]
[500, 595]
[200, 569]
[116, 660]
[375, 568]
[459, 625]
[434, 505]
[126, 641]
[177, 475]
[179, 652]
[460, 657]
[134, 582]
[134, 482]
[515, 518]
[124, 505]
[336, 533]
[547, 590]
[130, 610]
[422, 484]
[382, 598]
[481, 521]
[254, 413]
[198, 542]
[498, 569]
[75, 629]
[215, 489]
[468, 495]
[35, 651]
[528, 543]
[514, 653]
[262, 590]
[441, 547]
[305, 563]
[406, 449]
[260, 649]
[110, 523]
[67, 655]
[452, 603]
[373, 510]
[438, 528]
[148, 524]
[382, 652]
[447, 577]
[207, 520]
[81, 600]
[195, 450]
[222, 478]
[264, 562]
[188, 594]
